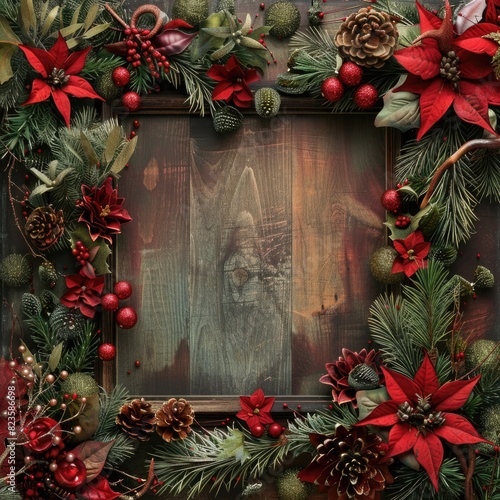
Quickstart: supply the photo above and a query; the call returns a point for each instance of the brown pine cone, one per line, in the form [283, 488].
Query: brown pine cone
[174, 419]
[44, 226]
[137, 419]
[367, 37]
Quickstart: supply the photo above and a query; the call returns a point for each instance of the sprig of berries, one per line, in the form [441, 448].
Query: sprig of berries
[81, 253]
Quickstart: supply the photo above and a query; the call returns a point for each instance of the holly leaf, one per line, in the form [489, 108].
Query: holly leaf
[234, 446]
[93, 454]
[401, 110]
[397, 233]
[97, 489]
[99, 249]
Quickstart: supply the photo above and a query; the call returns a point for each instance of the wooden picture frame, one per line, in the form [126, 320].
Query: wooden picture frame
[255, 215]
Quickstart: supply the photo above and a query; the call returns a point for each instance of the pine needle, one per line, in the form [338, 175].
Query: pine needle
[110, 407]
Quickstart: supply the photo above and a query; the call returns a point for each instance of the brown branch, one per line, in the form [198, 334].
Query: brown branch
[116, 16]
[492, 143]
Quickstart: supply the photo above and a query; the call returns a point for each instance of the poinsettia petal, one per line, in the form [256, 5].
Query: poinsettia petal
[76, 61]
[400, 246]
[62, 104]
[421, 250]
[245, 405]
[474, 66]
[223, 91]
[398, 265]
[217, 72]
[97, 489]
[40, 91]
[79, 87]
[471, 106]
[39, 59]
[434, 102]
[251, 75]
[472, 39]
[400, 387]
[402, 437]
[421, 60]
[59, 52]
[458, 430]
[428, 20]
[426, 378]
[257, 398]
[86, 310]
[267, 406]
[429, 452]
[411, 267]
[385, 414]
[453, 395]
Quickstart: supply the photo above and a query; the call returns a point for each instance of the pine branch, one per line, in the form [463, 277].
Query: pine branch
[123, 447]
[314, 41]
[11, 90]
[109, 408]
[80, 354]
[486, 171]
[6, 493]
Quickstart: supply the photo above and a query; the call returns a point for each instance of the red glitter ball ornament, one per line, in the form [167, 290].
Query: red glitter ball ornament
[123, 289]
[131, 100]
[391, 200]
[126, 317]
[365, 96]
[350, 74]
[110, 302]
[120, 76]
[332, 89]
[106, 352]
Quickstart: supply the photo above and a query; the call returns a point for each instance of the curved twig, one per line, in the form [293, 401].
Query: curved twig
[147, 9]
[491, 143]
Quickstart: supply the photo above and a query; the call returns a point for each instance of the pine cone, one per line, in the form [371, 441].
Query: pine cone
[227, 119]
[137, 419]
[44, 226]
[367, 37]
[174, 419]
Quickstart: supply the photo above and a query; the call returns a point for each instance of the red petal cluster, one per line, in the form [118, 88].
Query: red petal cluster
[102, 210]
[412, 252]
[256, 409]
[40, 433]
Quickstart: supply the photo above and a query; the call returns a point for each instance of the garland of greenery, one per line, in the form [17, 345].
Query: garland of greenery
[415, 418]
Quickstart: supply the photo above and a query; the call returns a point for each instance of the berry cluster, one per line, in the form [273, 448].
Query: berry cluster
[402, 221]
[125, 317]
[81, 253]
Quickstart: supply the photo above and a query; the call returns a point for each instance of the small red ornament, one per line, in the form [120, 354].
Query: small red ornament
[126, 317]
[131, 100]
[120, 76]
[275, 430]
[365, 96]
[137, 363]
[350, 74]
[106, 352]
[258, 430]
[123, 289]
[391, 200]
[332, 89]
[110, 302]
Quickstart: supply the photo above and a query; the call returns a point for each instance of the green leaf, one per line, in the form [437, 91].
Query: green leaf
[401, 110]
[400, 234]
[28, 15]
[98, 248]
[124, 156]
[68, 30]
[76, 14]
[89, 150]
[112, 142]
[93, 454]
[233, 446]
[408, 190]
[50, 19]
[99, 28]
[202, 44]
[55, 356]
[91, 15]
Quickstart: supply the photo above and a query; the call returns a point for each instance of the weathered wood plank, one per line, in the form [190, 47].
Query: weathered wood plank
[337, 180]
[152, 255]
[240, 255]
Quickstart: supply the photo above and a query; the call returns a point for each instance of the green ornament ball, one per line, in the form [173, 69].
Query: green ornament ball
[290, 487]
[81, 384]
[284, 17]
[483, 277]
[48, 273]
[226, 5]
[191, 11]
[15, 270]
[267, 102]
[381, 266]
[482, 353]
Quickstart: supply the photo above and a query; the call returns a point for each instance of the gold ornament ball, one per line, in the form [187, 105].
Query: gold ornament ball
[483, 354]
[290, 487]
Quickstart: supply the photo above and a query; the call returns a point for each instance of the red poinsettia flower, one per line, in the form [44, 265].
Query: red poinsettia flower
[234, 80]
[102, 210]
[412, 252]
[420, 414]
[59, 70]
[84, 291]
[255, 409]
[339, 371]
[447, 70]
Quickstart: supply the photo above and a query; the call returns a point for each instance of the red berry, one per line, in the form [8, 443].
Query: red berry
[123, 289]
[131, 100]
[275, 430]
[126, 317]
[137, 363]
[391, 200]
[258, 430]
[350, 74]
[402, 221]
[365, 96]
[106, 352]
[136, 124]
[110, 302]
[332, 89]
[120, 76]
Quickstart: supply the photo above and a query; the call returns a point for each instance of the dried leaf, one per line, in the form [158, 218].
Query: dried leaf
[76, 15]
[68, 30]
[91, 15]
[112, 142]
[89, 150]
[50, 19]
[28, 15]
[55, 356]
[93, 454]
[6, 53]
[124, 156]
[99, 28]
